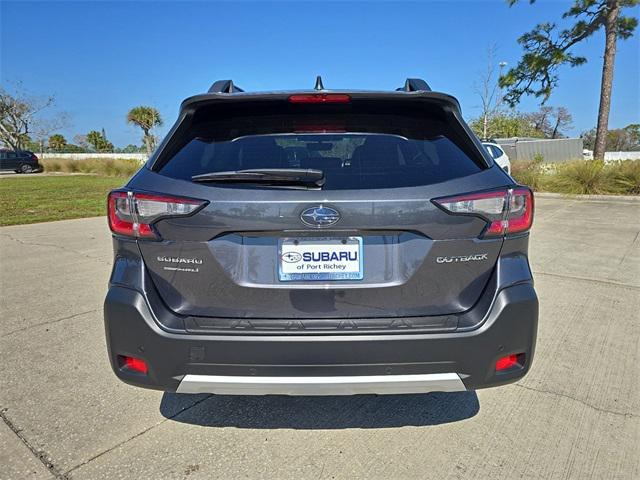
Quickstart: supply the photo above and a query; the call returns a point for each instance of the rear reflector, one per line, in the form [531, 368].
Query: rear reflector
[320, 98]
[506, 211]
[132, 213]
[134, 364]
[510, 361]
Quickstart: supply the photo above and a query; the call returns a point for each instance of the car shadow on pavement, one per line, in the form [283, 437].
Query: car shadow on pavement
[360, 411]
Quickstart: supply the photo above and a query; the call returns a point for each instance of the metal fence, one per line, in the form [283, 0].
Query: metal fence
[551, 150]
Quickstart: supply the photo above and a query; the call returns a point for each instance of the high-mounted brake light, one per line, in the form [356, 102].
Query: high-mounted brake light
[319, 128]
[320, 98]
[132, 213]
[506, 211]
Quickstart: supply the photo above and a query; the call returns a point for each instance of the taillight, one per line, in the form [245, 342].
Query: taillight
[320, 98]
[520, 216]
[506, 211]
[132, 213]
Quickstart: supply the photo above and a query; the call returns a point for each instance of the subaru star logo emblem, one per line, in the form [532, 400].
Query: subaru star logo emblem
[319, 217]
[291, 257]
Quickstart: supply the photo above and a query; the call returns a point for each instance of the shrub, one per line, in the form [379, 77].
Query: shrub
[582, 177]
[529, 173]
[626, 176]
[51, 165]
[104, 167]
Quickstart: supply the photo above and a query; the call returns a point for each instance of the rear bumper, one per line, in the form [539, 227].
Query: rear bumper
[321, 365]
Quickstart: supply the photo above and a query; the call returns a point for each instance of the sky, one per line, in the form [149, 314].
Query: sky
[99, 59]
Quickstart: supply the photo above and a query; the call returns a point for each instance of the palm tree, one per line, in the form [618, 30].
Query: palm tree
[57, 142]
[99, 142]
[146, 118]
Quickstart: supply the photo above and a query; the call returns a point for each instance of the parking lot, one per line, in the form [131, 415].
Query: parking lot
[576, 415]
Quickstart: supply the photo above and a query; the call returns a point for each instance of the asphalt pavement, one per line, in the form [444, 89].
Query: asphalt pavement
[576, 415]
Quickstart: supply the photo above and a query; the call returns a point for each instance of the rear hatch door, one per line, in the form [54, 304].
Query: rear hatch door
[368, 243]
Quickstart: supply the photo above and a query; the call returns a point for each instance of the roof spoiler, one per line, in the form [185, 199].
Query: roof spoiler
[410, 85]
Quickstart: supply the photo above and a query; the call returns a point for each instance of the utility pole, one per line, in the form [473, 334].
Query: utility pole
[501, 65]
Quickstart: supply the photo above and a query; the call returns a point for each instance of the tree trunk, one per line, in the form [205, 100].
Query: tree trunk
[611, 33]
[147, 142]
[555, 128]
[485, 126]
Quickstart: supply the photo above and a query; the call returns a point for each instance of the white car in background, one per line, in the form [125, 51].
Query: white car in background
[498, 155]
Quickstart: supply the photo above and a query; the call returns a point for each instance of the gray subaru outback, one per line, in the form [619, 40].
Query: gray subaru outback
[320, 242]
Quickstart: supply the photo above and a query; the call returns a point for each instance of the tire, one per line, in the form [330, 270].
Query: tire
[26, 168]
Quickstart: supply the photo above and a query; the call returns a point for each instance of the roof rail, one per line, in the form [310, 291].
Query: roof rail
[224, 86]
[414, 85]
[410, 85]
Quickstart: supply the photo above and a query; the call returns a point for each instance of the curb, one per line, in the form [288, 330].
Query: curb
[602, 198]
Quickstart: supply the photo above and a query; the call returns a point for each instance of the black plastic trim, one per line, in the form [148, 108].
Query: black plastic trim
[510, 328]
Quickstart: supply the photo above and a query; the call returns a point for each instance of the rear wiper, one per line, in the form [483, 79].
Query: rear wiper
[270, 176]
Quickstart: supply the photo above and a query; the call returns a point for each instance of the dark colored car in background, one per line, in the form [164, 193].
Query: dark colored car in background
[320, 242]
[19, 161]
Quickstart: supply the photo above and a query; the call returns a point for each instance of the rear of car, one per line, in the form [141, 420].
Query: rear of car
[320, 242]
[499, 156]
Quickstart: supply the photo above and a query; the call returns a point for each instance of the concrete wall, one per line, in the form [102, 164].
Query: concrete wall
[142, 157]
[612, 156]
[558, 150]
[552, 150]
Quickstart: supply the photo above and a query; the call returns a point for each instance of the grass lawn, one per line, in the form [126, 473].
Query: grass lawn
[44, 199]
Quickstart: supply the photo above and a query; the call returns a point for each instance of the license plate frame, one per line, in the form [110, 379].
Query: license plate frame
[296, 269]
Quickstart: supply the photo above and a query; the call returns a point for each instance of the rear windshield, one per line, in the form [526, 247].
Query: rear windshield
[354, 151]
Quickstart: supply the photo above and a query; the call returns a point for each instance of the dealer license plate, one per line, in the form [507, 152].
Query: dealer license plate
[309, 259]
